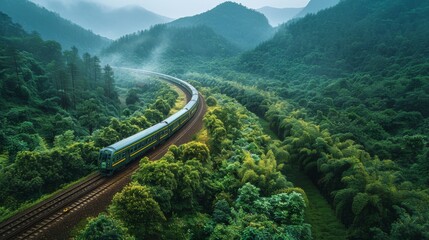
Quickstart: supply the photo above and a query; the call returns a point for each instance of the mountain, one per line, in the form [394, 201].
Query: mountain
[51, 26]
[111, 23]
[351, 36]
[244, 27]
[359, 58]
[360, 69]
[315, 6]
[169, 45]
[277, 16]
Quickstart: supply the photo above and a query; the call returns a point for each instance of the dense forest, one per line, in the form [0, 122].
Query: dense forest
[340, 96]
[346, 90]
[226, 187]
[51, 26]
[243, 27]
[367, 76]
[58, 110]
[167, 46]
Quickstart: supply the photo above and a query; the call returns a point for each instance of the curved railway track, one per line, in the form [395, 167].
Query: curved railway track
[42, 220]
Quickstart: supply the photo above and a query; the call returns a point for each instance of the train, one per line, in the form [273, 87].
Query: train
[119, 154]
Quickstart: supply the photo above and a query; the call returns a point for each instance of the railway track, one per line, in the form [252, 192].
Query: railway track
[11, 228]
[36, 222]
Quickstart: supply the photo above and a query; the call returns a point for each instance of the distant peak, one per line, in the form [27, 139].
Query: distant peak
[229, 4]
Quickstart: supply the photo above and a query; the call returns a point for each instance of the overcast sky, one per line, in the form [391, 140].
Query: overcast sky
[176, 8]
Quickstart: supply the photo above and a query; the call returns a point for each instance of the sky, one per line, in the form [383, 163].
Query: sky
[182, 8]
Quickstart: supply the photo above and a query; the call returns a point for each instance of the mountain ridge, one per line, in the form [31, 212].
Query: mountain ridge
[51, 26]
[109, 22]
[242, 26]
[277, 16]
[315, 6]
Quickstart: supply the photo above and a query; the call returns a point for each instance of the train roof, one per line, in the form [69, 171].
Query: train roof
[129, 140]
[175, 116]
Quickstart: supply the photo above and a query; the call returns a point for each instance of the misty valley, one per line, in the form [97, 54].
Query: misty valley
[302, 122]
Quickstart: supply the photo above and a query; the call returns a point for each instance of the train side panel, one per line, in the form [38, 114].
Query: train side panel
[120, 153]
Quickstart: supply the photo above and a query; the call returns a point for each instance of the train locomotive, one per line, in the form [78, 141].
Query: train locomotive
[119, 154]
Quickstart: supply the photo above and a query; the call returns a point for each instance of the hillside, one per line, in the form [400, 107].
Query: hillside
[244, 27]
[361, 67]
[315, 6]
[111, 23]
[45, 93]
[375, 52]
[51, 26]
[277, 16]
[162, 44]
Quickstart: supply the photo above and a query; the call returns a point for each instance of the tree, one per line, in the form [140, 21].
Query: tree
[64, 139]
[135, 206]
[109, 83]
[132, 97]
[89, 114]
[72, 58]
[222, 212]
[162, 106]
[247, 195]
[104, 227]
[211, 101]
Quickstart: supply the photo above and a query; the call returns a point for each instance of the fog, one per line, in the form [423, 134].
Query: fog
[177, 9]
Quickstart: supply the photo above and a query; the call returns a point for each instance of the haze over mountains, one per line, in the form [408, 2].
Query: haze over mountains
[224, 31]
[315, 6]
[108, 22]
[51, 26]
[277, 16]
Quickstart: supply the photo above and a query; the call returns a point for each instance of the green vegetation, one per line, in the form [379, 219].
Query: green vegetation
[58, 110]
[51, 26]
[199, 191]
[367, 193]
[345, 91]
[244, 27]
[376, 88]
[178, 47]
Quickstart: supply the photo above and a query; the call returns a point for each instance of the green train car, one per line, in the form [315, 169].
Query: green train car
[121, 153]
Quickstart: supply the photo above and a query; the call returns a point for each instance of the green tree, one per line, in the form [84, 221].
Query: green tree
[104, 227]
[132, 97]
[89, 114]
[247, 195]
[65, 139]
[135, 206]
[109, 84]
[222, 212]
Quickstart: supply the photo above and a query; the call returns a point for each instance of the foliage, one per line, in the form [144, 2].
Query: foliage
[246, 28]
[51, 26]
[363, 189]
[136, 207]
[55, 114]
[202, 192]
[104, 227]
[175, 46]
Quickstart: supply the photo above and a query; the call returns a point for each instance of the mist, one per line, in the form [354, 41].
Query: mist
[177, 9]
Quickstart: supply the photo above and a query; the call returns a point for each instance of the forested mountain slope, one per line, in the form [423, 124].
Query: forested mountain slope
[242, 26]
[57, 110]
[362, 68]
[360, 72]
[111, 23]
[277, 16]
[47, 97]
[51, 26]
[315, 6]
[162, 45]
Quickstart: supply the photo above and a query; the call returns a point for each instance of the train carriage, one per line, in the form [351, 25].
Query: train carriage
[120, 153]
